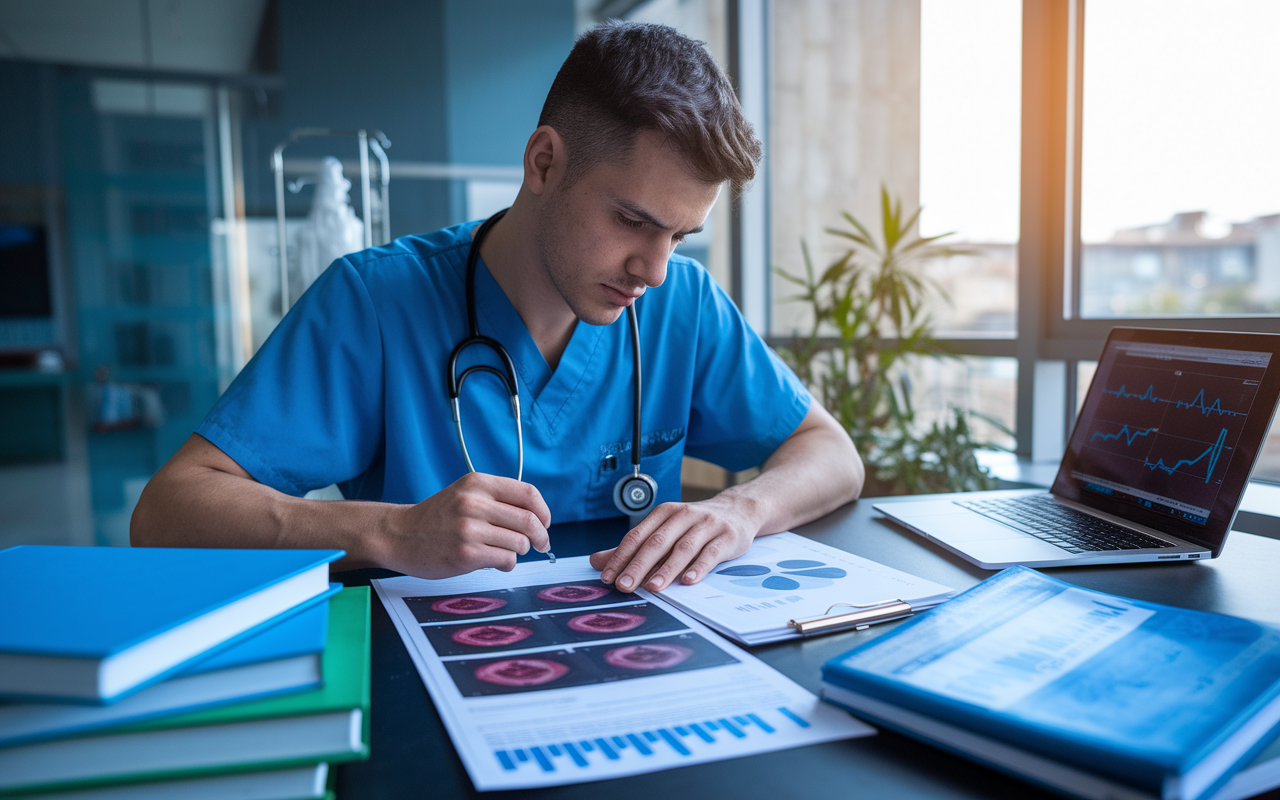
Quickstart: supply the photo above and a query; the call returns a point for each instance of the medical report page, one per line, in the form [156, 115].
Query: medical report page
[545, 676]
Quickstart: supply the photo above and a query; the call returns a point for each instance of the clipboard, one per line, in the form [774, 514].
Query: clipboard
[773, 592]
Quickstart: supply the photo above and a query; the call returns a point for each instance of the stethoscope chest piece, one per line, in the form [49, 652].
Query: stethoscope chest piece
[635, 494]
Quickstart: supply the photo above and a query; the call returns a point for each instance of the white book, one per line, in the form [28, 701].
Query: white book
[787, 579]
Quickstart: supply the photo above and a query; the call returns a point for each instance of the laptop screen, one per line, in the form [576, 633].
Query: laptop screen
[1171, 428]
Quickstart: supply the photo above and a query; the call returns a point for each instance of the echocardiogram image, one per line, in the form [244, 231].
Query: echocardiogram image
[583, 666]
[492, 636]
[547, 630]
[606, 622]
[520, 600]
[572, 594]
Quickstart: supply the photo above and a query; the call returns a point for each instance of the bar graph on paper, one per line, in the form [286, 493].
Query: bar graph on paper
[683, 741]
[549, 679]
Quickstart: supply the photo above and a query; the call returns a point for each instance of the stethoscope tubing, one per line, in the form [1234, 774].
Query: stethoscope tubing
[507, 375]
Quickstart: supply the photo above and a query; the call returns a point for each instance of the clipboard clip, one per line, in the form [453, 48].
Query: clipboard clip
[866, 615]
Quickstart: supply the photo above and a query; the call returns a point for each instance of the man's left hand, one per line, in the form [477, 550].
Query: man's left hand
[677, 541]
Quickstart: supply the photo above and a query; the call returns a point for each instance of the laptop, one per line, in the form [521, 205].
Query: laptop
[1155, 468]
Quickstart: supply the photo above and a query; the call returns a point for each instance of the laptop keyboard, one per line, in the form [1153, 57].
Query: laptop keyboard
[1060, 525]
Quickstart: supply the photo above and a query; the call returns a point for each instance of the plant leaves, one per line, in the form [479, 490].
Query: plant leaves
[874, 298]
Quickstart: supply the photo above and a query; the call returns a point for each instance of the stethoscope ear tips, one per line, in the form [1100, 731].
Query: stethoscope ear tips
[634, 495]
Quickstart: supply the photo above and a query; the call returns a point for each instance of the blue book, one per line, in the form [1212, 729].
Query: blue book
[300, 631]
[95, 624]
[280, 656]
[1087, 693]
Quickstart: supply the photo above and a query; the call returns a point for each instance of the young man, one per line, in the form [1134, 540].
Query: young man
[638, 133]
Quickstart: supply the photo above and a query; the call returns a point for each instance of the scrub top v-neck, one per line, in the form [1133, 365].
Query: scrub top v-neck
[351, 387]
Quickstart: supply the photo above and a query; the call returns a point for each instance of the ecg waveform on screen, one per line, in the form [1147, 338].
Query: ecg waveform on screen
[1130, 435]
[1168, 432]
[1214, 452]
[1198, 402]
[1124, 433]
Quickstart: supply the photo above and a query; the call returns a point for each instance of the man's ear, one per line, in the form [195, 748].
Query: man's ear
[545, 160]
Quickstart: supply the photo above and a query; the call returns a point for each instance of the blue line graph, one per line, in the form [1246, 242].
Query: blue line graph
[1214, 452]
[1128, 435]
[683, 740]
[1150, 396]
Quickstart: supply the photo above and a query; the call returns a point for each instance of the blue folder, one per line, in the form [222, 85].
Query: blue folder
[1088, 693]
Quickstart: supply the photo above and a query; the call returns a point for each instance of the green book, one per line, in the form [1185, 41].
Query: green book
[327, 724]
[312, 782]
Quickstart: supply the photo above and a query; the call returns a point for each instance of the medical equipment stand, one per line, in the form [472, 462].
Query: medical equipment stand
[367, 139]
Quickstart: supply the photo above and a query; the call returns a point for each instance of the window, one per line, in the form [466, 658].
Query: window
[1111, 166]
[1179, 212]
[970, 102]
[986, 385]
[1149, 223]
[923, 99]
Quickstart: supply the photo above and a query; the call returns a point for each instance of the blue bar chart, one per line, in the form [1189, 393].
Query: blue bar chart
[686, 741]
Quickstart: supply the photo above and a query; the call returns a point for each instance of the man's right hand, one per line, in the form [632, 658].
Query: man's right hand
[477, 521]
[203, 498]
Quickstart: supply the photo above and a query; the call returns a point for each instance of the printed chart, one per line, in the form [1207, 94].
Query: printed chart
[684, 741]
[545, 676]
[1165, 435]
[753, 598]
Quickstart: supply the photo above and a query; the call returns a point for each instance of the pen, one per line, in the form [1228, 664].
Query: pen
[867, 614]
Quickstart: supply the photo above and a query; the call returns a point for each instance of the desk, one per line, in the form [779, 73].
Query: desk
[413, 758]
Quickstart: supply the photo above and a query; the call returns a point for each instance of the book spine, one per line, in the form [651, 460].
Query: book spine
[1005, 758]
[1146, 770]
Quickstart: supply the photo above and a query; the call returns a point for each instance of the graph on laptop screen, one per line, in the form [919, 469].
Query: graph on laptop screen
[1162, 422]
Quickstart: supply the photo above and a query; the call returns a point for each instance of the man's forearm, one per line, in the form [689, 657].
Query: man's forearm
[812, 473]
[192, 505]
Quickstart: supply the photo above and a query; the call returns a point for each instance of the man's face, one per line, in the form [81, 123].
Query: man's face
[606, 239]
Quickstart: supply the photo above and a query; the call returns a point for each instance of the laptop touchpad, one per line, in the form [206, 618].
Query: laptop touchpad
[971, 527]
[947, 522]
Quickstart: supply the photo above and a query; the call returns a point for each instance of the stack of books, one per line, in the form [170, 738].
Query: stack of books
[176, 673]
[1089, 694]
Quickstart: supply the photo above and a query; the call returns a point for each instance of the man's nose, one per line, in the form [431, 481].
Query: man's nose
[650, 264]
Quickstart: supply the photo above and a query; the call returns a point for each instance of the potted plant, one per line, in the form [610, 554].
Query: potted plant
[872, 298]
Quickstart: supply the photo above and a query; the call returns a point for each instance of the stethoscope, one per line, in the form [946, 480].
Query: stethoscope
[634, 494]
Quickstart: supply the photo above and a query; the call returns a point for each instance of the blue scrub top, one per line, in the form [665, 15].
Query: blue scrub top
[351, 387]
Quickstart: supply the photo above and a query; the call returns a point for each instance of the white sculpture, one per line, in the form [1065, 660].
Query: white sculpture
[332, 228]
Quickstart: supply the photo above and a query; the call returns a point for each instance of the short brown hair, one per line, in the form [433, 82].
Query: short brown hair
[622, 78]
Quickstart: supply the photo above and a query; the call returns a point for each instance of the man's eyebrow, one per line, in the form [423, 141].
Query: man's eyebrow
[637, 211]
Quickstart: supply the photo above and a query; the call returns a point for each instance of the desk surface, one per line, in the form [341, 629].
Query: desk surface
[412, 755]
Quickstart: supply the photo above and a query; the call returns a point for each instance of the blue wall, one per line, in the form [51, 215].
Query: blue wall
[376, 64]
[501, 57]
[448, 81]
[24, 148]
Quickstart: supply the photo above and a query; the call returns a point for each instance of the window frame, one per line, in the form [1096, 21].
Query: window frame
[1052, 337]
